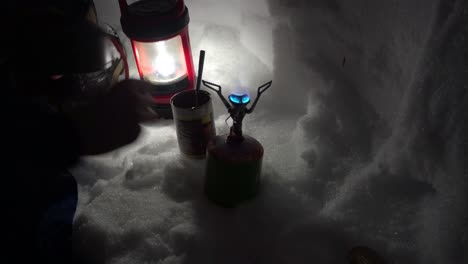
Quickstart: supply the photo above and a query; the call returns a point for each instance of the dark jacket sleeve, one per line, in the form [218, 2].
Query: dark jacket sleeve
[41, 196]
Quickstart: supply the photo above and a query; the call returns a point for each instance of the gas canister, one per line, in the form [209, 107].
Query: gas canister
[234, 160]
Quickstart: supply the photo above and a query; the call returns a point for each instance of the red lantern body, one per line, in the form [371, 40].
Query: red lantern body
[158, 31]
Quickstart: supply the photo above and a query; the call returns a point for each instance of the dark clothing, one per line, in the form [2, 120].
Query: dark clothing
[39, 194]
[43, 48]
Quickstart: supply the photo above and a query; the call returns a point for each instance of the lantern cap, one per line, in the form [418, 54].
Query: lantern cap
[152, 20]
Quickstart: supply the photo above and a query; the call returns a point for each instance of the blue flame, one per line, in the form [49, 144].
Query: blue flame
[239, 98]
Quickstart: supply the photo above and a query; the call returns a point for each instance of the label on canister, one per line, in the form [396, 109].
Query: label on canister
[194, 135]
[193, 118]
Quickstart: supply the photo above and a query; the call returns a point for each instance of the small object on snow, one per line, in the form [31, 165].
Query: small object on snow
[234, 160]
[364, 255]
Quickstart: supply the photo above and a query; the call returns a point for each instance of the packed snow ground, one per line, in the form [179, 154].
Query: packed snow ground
[365, 133]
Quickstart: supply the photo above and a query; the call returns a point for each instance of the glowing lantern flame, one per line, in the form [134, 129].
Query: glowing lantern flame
[164, 63]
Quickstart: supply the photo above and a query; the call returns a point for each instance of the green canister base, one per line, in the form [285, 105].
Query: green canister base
[233, 170]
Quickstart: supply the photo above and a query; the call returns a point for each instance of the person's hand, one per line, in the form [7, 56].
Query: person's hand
[112, 121]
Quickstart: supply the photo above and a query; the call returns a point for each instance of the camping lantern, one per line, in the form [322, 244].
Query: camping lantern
[158, 31]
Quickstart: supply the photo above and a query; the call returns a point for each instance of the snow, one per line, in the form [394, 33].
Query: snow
[364, 130]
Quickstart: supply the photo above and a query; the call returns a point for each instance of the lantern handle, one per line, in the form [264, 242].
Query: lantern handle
[260, 90]
[213, 87]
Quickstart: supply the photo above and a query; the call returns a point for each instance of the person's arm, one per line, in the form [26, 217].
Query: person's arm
[112, 121]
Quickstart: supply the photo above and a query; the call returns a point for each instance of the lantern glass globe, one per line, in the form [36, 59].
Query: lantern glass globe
[161, 62]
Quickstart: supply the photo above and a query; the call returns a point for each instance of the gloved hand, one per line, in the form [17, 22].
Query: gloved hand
[112, 121]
